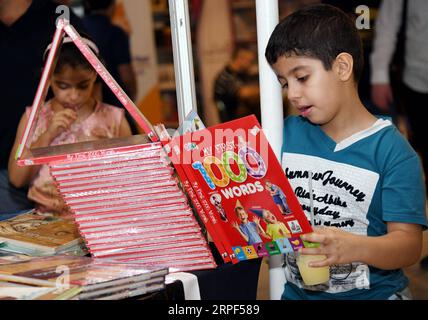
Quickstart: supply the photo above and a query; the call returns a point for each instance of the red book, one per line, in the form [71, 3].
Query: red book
[242, 188]
[198, 202]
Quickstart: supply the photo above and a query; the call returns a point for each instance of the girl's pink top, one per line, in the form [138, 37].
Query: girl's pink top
[104, 122]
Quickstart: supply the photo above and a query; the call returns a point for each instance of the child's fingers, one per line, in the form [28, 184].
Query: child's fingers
[64, 120]
[320, 263]
[68, 113]
[314, 237]
[67, 119]
[65, 114]
[313, 251]
[61, 123]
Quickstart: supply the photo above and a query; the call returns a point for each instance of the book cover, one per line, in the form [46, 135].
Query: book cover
[68, 273]
[36, 234]
[244, 192]
[95, 294]
[15, 291]
[7, 257]
[88, 150]
[188, 187]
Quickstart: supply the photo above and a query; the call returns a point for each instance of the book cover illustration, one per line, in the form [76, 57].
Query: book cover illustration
[15, 291]
[91, 273]
[91, 277]
[7, 257]
[38, 234]
[244, 192]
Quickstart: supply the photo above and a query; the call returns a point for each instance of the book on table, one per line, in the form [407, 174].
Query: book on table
[83, 277]
[37, 234]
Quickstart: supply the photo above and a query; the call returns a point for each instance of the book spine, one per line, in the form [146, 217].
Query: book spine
[189, 183]
[206, 213]
[41, 92]
[25, 280]
[84, 155]
[201, 212]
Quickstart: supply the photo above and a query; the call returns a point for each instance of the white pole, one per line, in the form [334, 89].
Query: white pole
[183, 59]
[270, 89]
[272, 116]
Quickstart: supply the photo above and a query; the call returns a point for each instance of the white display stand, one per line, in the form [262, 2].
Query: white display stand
[270, 91]
[272, 116]
[183, 58]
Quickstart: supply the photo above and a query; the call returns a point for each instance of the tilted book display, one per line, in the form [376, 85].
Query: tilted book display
[239, 189]
[123, 192]
[127, 203]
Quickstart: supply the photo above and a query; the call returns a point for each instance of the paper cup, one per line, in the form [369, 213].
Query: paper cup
[310, 275]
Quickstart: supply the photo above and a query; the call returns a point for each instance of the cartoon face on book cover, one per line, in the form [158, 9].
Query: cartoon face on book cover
[246, 194]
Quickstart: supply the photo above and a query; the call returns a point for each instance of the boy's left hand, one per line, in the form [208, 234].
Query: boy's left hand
[339, 246]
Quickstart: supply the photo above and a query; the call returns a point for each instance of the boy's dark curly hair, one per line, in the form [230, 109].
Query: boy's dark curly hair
[319, 31]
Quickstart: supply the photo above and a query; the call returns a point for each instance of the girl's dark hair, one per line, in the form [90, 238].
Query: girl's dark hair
[70, 55]
[319, 31]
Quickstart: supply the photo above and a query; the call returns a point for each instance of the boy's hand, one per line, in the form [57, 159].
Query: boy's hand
[256, 220]
[235, 225]
[339, 246]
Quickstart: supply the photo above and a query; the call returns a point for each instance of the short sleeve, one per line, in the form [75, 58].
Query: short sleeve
[403, 191]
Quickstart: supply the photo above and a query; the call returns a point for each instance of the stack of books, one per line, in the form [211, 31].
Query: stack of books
[129, 207]
[123, 193]
[34, 234]
[65, 277]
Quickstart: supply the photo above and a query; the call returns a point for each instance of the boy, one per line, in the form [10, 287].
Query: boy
[369, 199]
[250, 231]
[278, 196]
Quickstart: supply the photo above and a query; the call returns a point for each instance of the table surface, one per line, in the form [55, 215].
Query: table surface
[226, 282]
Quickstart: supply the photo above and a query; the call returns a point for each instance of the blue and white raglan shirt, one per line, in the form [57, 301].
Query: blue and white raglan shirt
[359, 184]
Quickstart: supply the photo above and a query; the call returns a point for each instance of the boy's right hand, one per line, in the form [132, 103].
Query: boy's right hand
[61, 121]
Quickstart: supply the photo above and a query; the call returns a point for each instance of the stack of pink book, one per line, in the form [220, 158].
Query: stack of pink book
[123, 192]
[127, 203]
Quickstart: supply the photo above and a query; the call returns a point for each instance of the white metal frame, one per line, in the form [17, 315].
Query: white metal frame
[272, 116]
[270, 91]
[183, 58]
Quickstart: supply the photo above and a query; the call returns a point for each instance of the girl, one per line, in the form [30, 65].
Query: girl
[72, 115]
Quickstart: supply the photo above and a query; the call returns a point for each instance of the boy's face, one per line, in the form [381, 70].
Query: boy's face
[242, 215]
[311, 89]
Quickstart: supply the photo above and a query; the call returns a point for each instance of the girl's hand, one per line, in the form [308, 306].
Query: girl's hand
[339, 246]
[60, 122]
